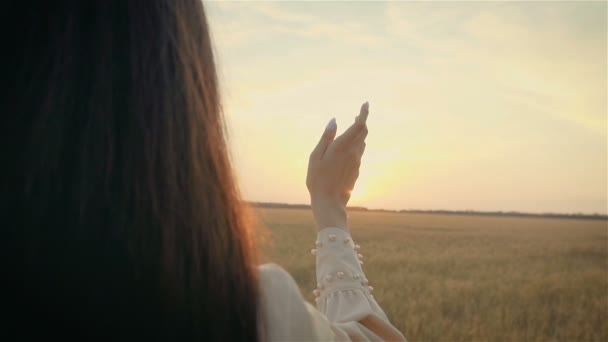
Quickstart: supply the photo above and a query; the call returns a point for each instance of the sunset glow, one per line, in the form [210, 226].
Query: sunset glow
[473, 105]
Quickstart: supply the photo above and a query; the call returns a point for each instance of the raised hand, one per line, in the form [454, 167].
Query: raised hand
[333, 169]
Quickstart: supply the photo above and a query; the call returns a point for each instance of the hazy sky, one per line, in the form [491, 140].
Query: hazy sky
[473, 105]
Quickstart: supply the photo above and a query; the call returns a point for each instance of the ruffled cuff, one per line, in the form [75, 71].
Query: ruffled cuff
[339, 270]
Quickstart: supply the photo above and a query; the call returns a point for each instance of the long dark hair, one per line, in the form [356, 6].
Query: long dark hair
[121, 216]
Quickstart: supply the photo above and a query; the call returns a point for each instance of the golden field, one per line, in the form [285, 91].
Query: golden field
[465, 278]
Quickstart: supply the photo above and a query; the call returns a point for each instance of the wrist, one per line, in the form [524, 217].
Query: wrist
[329, 212]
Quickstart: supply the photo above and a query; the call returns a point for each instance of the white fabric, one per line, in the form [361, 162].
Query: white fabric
[346, 309]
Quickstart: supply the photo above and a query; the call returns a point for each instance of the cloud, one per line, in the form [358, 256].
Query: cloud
[557, 53]
[238, 24]
[274, 12]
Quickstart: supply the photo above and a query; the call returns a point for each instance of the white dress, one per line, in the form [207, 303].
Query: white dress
[346, 309]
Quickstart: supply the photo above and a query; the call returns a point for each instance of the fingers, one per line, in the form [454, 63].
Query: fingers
[357, 140]
[360, 136]
[363, 113]
[356, 128]
[356, 153]
[360, 149]
[328, 136]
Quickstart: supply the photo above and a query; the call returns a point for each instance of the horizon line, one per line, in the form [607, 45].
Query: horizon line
[444, 211]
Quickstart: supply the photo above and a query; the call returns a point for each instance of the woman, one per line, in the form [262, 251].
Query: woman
[121, 214]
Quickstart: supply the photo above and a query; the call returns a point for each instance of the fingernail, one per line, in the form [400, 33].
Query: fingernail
[331, 125]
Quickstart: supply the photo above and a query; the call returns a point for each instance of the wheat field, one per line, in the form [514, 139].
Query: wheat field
[465, 278]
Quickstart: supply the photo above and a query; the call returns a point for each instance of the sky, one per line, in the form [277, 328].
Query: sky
[473, 105]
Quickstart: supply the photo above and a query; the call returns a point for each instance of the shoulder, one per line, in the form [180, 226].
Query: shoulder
[277, 286]
[285, 315]
[273, 272]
